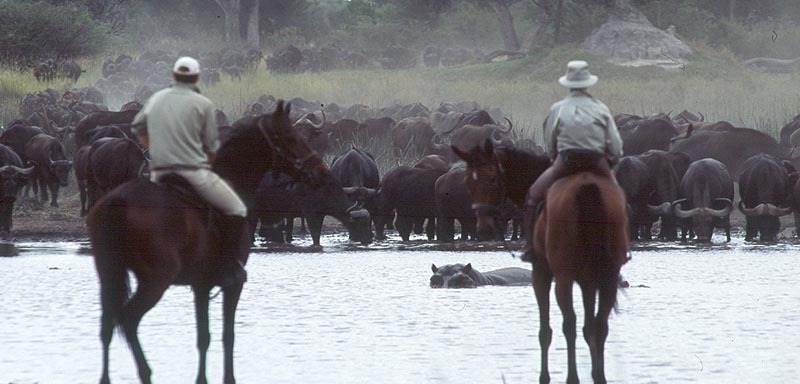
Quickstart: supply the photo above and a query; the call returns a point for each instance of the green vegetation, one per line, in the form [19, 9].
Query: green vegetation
[36, 30]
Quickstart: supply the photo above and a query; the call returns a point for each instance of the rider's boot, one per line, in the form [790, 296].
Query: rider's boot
[233, 245]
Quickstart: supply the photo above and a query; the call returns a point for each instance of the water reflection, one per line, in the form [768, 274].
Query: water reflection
[354, 314]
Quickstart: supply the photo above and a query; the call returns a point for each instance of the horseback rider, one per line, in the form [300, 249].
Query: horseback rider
[579, 135]
[177, 127]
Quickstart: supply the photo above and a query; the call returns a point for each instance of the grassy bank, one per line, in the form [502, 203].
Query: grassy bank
[524, 89]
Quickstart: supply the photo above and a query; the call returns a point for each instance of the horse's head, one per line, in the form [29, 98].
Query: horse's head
[485, 184]
[293, 153]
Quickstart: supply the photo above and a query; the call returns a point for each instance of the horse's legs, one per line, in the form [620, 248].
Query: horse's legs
[564, 299]
[203, 335]
[106, 334]
[542, 280]
[147, 295]
[608, 296]
[588, 292]
[230, 299]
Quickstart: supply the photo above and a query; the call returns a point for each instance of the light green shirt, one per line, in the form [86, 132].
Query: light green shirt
[179, 122]
[579, 121]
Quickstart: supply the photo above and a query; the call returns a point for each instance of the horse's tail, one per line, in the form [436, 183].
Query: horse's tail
[107, 233]
[592, 219]
[595, 234]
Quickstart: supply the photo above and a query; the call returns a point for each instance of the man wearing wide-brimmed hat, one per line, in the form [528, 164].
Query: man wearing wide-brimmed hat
[579, 134]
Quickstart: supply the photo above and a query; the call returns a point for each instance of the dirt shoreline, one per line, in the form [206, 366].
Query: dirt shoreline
[48, 224]
[35, 222]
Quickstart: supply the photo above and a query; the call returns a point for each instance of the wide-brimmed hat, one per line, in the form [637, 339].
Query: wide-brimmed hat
[578, 75]
[186, 66]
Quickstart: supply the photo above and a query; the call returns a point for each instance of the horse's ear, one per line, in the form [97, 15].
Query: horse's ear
[468, 268]
[461, 154]
[434, 268]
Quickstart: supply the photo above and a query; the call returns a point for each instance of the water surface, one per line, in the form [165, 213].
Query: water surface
[720, 314]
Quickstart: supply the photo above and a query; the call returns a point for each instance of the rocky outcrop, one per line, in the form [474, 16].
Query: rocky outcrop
[771, 65]
[629, 39]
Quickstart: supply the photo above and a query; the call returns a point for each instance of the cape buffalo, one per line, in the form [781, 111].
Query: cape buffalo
[731, 147]
[412, 134]
[765, 190]
[17, 136]
[51, 166]
[648, 134]
[12, 178]
[110, 162]
[633, 177]
[787, 131]
[706, 193]
[410, 192]
[278, 198]
[453, 203]
[357, 173]
[96, 119]
[663, 190]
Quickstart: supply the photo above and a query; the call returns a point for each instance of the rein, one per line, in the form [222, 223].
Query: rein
[299, 164]
[492, 209]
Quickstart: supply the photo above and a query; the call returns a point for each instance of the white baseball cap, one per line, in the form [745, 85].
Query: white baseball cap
[186, 66]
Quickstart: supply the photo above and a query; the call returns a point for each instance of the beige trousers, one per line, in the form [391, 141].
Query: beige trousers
[210, 187]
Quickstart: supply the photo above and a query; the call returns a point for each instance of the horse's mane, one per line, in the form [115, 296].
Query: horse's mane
[522, 167]
[244, 157]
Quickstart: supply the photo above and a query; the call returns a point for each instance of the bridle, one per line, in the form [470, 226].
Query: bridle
[299, 164]
[487, 208]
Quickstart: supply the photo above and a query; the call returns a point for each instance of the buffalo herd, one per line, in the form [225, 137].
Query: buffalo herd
[679, 171]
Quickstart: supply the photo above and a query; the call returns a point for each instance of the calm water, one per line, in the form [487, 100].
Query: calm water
[711, 315]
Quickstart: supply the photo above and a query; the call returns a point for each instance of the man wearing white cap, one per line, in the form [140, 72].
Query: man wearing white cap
[579, 135]
[177, 127]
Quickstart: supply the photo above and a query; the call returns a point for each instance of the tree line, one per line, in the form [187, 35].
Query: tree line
[514, 25]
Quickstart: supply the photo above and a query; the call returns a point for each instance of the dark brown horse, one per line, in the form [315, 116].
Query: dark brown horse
[164, 239]
[587, 241]
[581, 237]
[494, 174]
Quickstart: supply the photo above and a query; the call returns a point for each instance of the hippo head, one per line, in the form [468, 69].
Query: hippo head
[453, 276]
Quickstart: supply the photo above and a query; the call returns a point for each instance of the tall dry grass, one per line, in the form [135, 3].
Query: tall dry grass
[524, 89]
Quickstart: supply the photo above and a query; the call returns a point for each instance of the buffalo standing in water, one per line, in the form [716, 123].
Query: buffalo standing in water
[707, 192]
[765, 190]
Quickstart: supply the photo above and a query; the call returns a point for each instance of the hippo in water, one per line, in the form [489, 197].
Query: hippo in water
[464, 276]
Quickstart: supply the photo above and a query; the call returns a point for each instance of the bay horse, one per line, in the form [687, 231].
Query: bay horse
[164, 239]
[494, 174]
[581, 236]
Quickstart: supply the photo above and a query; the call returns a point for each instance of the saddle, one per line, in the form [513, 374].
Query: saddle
[184, 191]
[580, 160]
